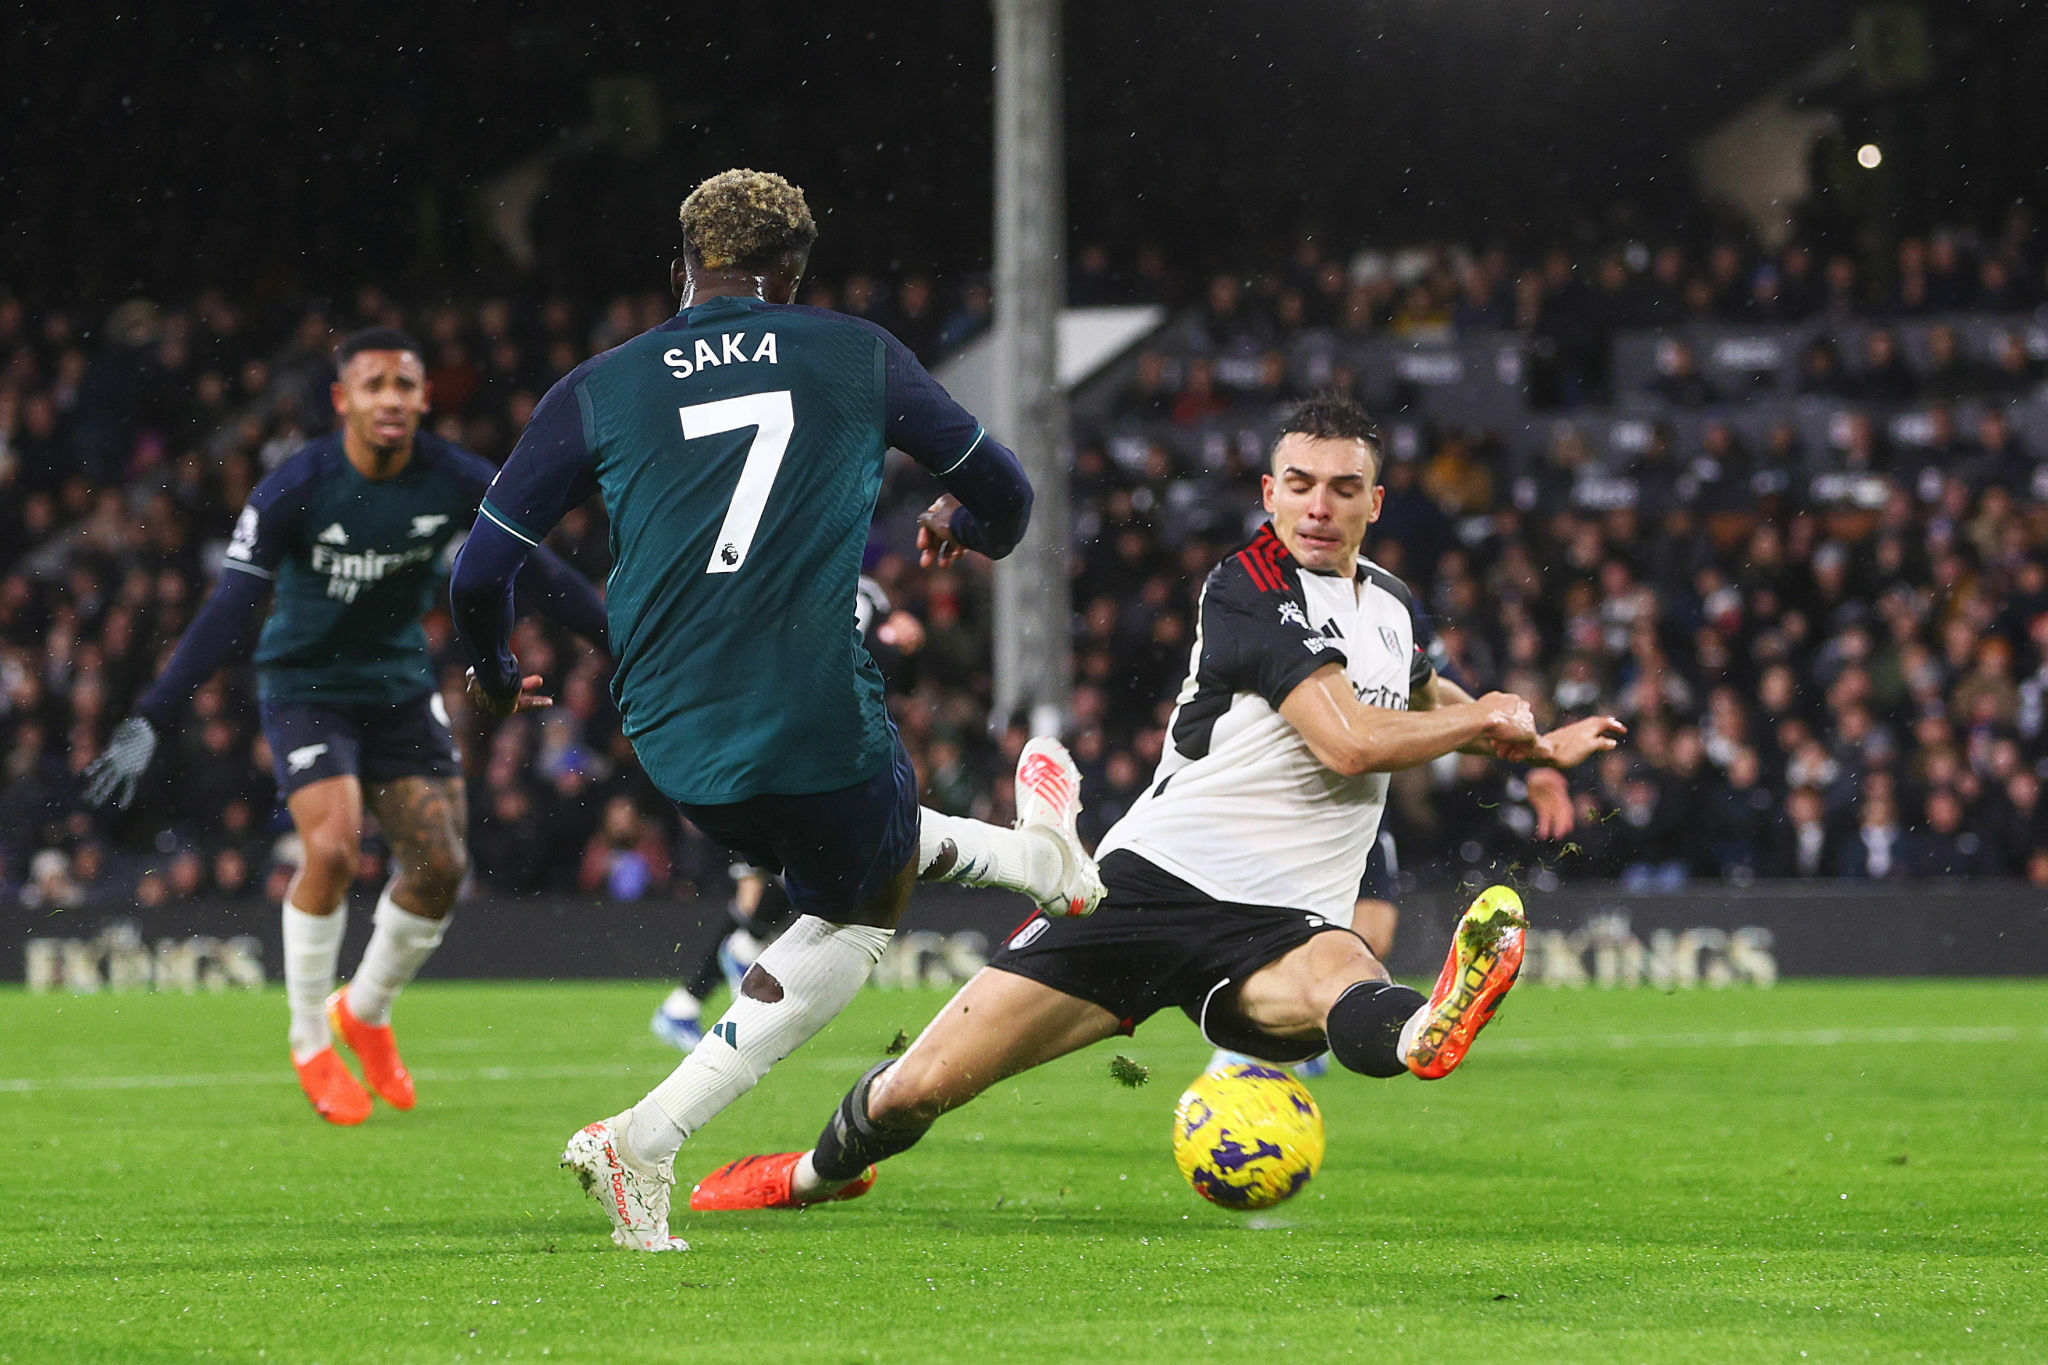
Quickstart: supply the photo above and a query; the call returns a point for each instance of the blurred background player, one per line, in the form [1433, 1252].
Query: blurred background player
[759, 909]
[347, 542]
[743, 681]
[1231, 880]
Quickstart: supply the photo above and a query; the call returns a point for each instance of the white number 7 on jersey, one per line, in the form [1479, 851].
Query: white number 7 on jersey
[773, 420]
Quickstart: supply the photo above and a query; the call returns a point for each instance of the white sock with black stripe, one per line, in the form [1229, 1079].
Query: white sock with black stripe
[794, 989]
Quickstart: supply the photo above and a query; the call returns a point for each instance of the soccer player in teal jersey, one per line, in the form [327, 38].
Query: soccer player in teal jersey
[348, 541]
[738, 449]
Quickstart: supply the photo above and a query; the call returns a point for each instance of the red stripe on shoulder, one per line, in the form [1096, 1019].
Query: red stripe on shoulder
[1274, 551]
[1275, 556]
[1265, 559]
[1261, 575]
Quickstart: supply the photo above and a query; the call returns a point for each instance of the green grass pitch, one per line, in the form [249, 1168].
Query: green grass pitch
[1821, 1172]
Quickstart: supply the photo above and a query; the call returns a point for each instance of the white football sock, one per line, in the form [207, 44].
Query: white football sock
[806, 1183]
[953, 849]
[312, 945]
[399, 945]
[682, 1005]
[813, 970]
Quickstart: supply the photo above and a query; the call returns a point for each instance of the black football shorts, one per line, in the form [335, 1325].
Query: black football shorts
[310, 741]
[834, 849]
[1155, 942]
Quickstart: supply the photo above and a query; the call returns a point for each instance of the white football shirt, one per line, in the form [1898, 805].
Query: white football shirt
[1240, 808]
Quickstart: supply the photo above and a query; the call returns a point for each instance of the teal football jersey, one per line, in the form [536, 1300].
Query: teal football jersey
[738, 449]
[357, 562]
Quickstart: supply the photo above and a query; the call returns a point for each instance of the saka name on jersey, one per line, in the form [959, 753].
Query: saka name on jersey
[356, 562]
[1241, 808]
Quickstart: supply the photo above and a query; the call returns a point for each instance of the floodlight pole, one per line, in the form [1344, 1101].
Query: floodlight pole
[1033, 668]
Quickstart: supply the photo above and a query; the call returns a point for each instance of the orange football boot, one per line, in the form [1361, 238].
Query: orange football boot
[376, 1049]
[1485, 958]
[762, 1182]
[336, 1096]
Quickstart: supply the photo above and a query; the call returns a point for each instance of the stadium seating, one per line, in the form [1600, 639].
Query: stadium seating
[1798, 547]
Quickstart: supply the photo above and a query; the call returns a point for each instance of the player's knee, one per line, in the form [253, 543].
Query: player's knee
[1329, 987]
[331, 852]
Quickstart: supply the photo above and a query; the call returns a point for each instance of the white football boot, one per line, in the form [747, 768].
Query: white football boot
[636, 1203]
[1048, 801]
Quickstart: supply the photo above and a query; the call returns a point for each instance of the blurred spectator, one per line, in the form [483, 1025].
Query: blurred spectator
[50, 887]
[507, 843]
[1820, 370]
[1800, 843]
[1875, 848]
[626, 859]
[1680, 383]
[1943, 846]
[970, 317]
[1884, 377]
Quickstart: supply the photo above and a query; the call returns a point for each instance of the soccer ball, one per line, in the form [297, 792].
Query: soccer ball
[1247, 1136]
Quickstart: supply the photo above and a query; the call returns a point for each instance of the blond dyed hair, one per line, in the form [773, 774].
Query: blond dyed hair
[746, 220]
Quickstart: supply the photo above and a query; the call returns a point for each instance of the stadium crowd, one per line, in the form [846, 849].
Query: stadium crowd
[1830, 641]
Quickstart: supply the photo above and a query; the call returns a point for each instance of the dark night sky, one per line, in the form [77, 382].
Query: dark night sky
[222, 139]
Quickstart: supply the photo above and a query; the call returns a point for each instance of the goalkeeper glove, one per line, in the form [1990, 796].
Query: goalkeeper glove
[115, 774]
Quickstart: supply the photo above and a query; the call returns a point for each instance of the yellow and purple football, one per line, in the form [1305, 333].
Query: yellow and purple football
[1247, 1136]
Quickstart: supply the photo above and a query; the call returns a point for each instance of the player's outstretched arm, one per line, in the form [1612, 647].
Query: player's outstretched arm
[548, 472]
[224, 629]
[548, 585]
[222, 632]
[480, 601]
[1434, 693]
[1565, 747]
[1350, 737]
[987, 506]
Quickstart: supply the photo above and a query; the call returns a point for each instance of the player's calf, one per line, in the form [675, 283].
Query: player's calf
[1378, 1027]
[1364, 1026]
[863, 1133]
[399, 946]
